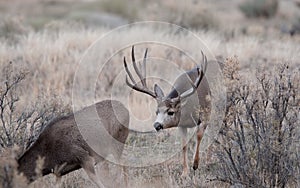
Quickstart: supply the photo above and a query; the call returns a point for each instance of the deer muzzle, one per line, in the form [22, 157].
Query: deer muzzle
[158, 126]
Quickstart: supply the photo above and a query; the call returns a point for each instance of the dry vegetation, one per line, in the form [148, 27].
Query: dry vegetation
[258, 144]
[259, 141]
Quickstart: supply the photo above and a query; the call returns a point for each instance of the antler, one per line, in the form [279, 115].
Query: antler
[198, 79]
[142, 76]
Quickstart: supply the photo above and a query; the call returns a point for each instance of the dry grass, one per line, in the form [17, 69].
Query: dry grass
[258, 142]
[51, 57]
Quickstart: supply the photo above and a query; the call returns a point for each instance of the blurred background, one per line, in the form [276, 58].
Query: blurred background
[246, 16]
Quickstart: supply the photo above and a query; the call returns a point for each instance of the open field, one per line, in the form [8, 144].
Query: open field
[46, 41]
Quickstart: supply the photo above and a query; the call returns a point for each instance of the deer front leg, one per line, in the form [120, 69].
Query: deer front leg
[200, 132]
[88, 166]
[183, 132]
[125, 175]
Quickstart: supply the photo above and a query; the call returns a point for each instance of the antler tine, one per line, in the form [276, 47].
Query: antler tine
[143, 90]
[128, 72]
[188, 92]
[144, 68]
[198, 79]
[204, 60]
[195, 122]
[136, 68]
[203, 70]
[142, 76]
[202, 56]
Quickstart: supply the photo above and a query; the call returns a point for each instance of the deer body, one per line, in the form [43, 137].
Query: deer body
[181, 107]
[191, 104]
[65, 150]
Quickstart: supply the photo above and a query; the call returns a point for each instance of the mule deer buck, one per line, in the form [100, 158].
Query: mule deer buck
[178, 108]
[64, 149]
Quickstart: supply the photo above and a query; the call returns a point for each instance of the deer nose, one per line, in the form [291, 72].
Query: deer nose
[158, 126]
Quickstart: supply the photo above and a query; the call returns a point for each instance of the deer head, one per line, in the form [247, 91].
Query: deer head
[169, 107]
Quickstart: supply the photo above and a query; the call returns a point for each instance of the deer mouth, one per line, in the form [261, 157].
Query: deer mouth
[158, 126]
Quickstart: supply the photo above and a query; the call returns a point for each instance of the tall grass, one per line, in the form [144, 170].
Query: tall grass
[50, 58]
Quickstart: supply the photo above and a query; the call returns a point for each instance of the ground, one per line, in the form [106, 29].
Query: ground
[48, 39]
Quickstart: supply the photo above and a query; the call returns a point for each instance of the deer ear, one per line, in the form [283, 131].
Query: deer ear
[178, 102]
[158, 91]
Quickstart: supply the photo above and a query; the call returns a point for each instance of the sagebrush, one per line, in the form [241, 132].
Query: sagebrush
[258, 144]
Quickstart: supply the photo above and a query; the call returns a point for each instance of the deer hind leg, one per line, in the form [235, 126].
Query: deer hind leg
[126, 175]
[89, 167]
[183, 132]
[57, 172]
[57, 182]
[200, 132]
[113, 174]
[122, 169]
[120, 172]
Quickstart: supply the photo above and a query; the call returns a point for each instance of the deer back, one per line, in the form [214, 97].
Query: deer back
[196, 101]
[62, 145]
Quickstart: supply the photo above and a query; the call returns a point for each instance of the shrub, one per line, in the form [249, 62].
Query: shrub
[22, 126]
[19, 127]
[122, 8]
[259, 8]
[11, 28]
[188, 14]
[295, 27]
[258, 143]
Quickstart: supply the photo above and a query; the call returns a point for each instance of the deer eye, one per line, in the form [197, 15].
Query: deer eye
[170, 113]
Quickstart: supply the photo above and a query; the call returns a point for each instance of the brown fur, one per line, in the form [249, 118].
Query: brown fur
[63, 147]
[178, 109]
